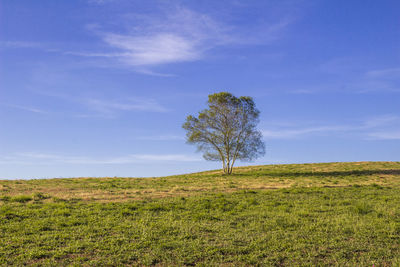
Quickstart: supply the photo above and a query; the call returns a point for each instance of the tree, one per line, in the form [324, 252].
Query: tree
[226, 131]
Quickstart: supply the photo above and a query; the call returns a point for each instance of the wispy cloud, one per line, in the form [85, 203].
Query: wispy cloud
[388, 135]
[301, 132]
[387, 79]
[376, 128]
[378, 121]
[357, 77]
[100, 2]
[168, 157]
[43, 46]
[382, 128]
[101, 107]
[176, 34]
[160, 137]
[20, 44]
[156, 49]
[26, 108]
[169, 33]
[111, 107]
[31, 158]
[386, 73]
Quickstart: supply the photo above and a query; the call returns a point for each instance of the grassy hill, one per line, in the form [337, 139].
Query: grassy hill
[301, 214]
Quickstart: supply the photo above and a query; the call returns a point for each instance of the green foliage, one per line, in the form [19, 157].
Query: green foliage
[298, 226]
[339, 214]
[21, 199]
[363, 208]
[40, 196]
[226, 131]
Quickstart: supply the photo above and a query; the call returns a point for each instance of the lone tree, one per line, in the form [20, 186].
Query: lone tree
[226, 131]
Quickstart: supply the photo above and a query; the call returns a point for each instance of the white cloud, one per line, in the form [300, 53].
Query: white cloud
[154, 49]
[169, 33]
[378, 80]
[105, 108]
[110, 107]
[355, 75]
[176, 34]
[381, 121]
[26, 108]
[395, 135]
[30, 158]
[20, 44]
[384, 73]
[379, 127]
[87, 102]
[299, 132]
[38, 155]
[100, 2]
[160, 137]
[168, 157]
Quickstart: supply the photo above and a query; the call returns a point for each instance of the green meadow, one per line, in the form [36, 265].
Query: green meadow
[340, 214]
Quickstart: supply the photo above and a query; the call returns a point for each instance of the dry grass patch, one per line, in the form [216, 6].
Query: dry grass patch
[252, 177]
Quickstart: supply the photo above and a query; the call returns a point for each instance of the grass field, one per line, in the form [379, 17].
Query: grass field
[341, 214]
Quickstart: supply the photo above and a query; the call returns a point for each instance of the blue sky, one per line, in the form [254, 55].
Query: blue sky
[102, 87]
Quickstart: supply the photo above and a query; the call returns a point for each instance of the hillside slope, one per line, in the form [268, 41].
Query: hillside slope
[243, 178]
[273, 215]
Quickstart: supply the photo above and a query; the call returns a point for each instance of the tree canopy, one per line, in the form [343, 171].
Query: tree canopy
[226, 130]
